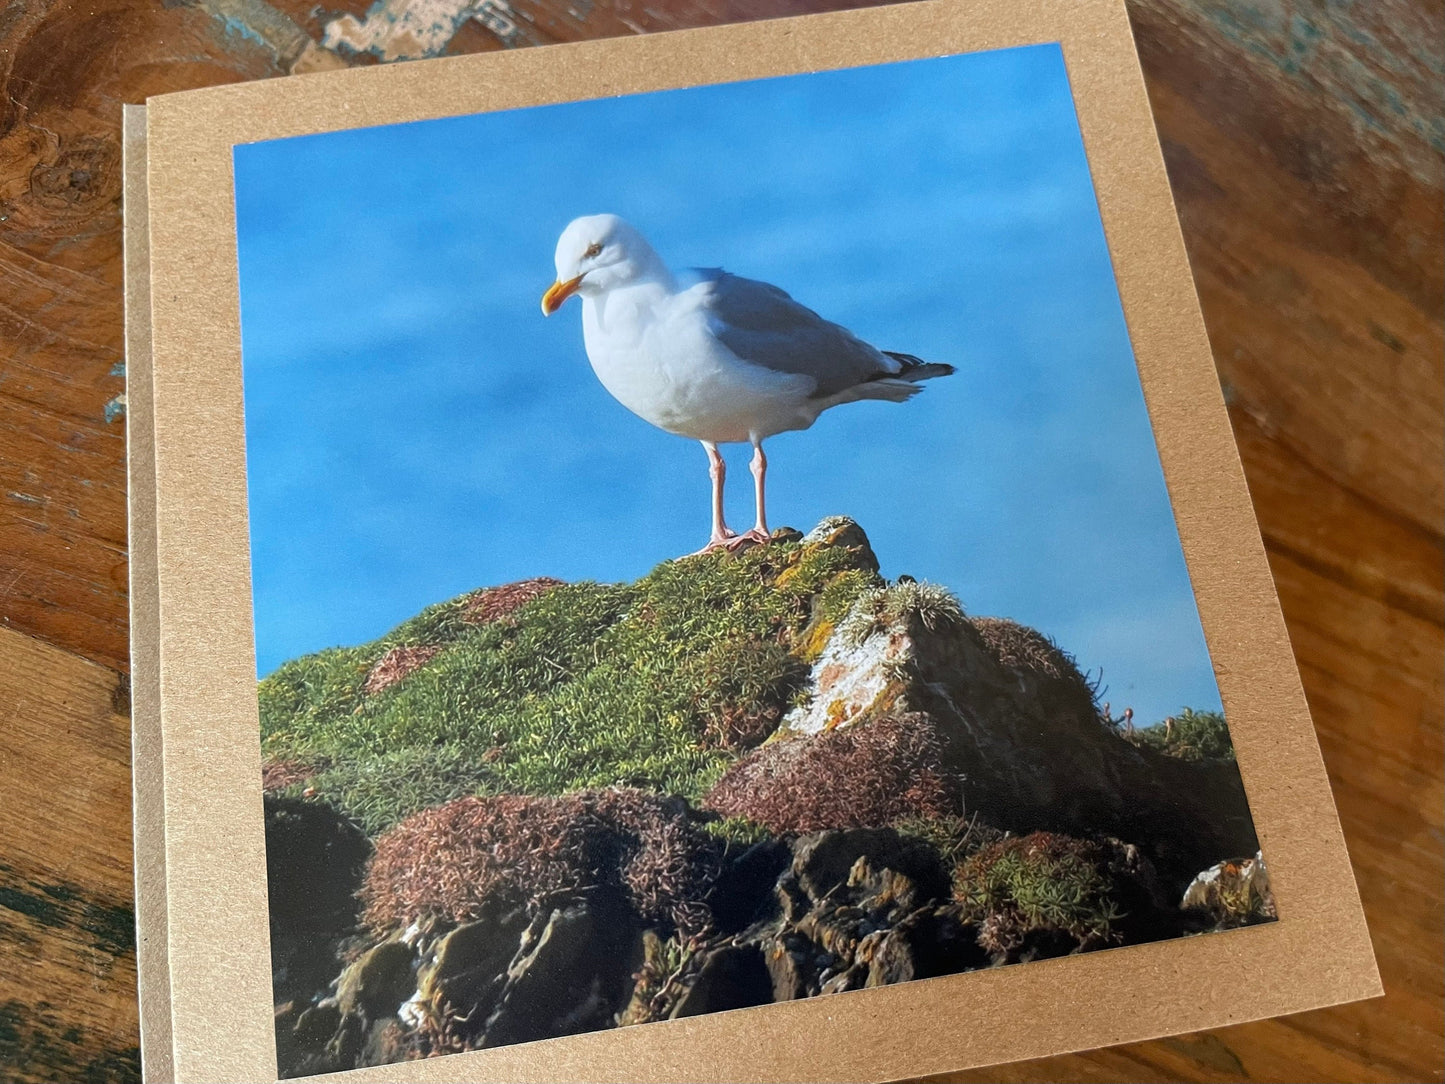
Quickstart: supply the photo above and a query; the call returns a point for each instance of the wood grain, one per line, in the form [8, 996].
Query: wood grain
[67, 991]
[1304, 142]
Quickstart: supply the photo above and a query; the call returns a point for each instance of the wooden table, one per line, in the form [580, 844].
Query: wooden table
[1304, 141]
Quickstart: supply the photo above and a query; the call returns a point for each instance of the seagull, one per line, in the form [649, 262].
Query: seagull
[713, 356]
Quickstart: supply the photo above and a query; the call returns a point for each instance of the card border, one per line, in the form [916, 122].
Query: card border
[215, 926]
[147, 765]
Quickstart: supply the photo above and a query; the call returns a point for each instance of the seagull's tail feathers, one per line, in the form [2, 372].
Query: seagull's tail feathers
[914, 369]
[896, 387]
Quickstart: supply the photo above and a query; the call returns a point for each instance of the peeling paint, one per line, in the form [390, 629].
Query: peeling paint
[115, 409]
[496, 16]
[239, 27]
[413, 29]
[290, 47]
[260, 24]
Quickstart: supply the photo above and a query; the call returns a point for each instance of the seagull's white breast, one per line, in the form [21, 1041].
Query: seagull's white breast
[654, 351]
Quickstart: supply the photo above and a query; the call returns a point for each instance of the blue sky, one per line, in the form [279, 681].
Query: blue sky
[416, 428]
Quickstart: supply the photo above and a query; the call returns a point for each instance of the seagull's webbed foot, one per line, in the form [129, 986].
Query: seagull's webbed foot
[756, 537]
[733, 542]
[720, 540]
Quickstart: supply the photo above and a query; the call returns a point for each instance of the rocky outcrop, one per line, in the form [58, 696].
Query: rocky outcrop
[914, 704]
[818, 914]
[315, 859]
[746, 778]
[1233, 893]
[830, 911]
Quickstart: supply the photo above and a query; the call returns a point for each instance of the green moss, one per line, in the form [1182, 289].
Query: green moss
[658, 988]
[830, 607]
[1041, 884]
[377, 791]
[954, 838]
[654, 684]
[737, 830]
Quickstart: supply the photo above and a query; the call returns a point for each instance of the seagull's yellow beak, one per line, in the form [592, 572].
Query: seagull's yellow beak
[557, 293]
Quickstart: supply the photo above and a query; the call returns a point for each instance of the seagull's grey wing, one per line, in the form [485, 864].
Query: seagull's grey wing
[763, 325]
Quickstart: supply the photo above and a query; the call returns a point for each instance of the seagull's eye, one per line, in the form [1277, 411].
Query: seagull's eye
[594, 249]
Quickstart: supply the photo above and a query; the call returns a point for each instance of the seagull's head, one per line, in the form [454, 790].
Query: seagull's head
[597, 253]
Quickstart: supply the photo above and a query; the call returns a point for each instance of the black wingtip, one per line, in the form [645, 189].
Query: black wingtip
[915, 368]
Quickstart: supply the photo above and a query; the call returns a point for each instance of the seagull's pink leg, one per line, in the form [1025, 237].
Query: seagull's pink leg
[717, 470]
[760, 533]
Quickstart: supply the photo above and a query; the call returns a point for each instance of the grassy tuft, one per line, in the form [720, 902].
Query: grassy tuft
[934, 607]
[1192, 735]
[1039, 888]
[954, 837]
[736, 830]
[377, 791]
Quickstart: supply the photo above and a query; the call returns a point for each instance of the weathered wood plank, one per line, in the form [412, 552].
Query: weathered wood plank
[67, 931]
[1304, 141]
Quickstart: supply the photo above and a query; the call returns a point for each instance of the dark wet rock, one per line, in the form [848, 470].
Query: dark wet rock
[885, 890]
[653, 983]
[731, 977]
[573, 973]
[347, 1044]
[303, 1037]
[470, 965]
[314, 863]
[928, 943]
[315, 858]
[377, 983]
[874, 863]
[853, 977]
[793, 900]
[824, 862]
[835, 930]
[894, 960]
[388, 1041]
[745, 889]
[789, 962]
[861, 907]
